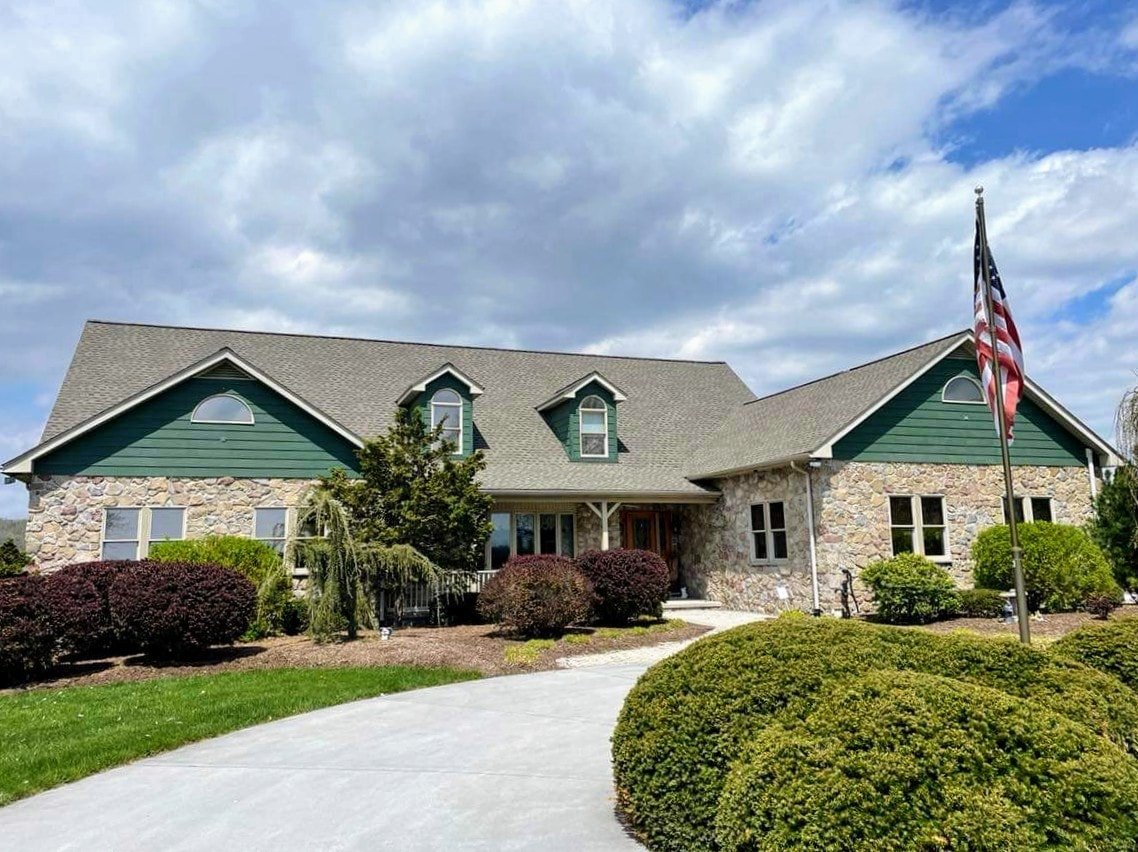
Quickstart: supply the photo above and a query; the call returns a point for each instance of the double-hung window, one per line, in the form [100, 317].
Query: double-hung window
[129, 532]
[270, 525]
[166, 524]
[446, 411]
[917, 525]
[594, 428]
[768, 532]
[1030, 509]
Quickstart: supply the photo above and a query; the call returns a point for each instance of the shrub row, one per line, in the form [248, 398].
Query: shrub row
[93, 609]
[692, 718]
[542, 595]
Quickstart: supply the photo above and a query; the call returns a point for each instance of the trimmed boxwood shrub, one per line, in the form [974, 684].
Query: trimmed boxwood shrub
[27, 637]
[687, 719]
[901, 760]
[1061, 564]
[1111, 647]
[253, 559]
[175, 608]
[536, 596]
[627, 583]
[980, 603]
[910, 589]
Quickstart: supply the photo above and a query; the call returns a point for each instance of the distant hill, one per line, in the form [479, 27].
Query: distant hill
[12, 528]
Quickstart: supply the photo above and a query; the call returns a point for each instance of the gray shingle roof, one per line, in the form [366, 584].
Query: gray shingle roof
[672, 406]
[798, 421]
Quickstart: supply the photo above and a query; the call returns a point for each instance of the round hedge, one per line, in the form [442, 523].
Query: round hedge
[1110, 647]
[174, 608]
[901, 760]
[1062, 565]
[627, 583]
[980, 603]
[685, 721]
[910, 589]
[536, 596]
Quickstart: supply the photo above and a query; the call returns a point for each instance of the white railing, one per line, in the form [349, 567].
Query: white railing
[418, 598]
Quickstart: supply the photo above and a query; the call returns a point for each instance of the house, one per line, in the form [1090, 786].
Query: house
[167, 432]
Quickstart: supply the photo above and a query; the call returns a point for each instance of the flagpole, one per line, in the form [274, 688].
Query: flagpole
[1001, 423]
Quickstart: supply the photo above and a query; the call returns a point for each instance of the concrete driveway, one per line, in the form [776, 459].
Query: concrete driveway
[516, 762]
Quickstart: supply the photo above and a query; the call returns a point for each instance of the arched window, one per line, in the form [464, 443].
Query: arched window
[962, 389]
[446, 408]
[594, 428]
[222, 408]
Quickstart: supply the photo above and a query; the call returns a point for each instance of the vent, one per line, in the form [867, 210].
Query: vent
[224, 370]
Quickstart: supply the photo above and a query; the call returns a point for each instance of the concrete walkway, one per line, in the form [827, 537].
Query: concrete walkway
[504, 763]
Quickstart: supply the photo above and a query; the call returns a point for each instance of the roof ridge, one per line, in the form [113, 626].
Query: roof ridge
[870, 363]
[406, 342]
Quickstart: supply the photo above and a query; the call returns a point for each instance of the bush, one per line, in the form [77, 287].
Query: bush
[1101, 604]
[174, 608]
[536, 596]
[627, 583]
[253, 559]
[27, 638]
[12, 560]
[687, 719]
[979, 603]
[899, 761]
[102, 641]
[74, 610]
[1110, 648]
[1061, 564]
[909, 589]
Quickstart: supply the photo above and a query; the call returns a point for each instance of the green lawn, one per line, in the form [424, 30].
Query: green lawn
[51, 736]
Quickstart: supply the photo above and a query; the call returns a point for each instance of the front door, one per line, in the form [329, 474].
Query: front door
[648, 529]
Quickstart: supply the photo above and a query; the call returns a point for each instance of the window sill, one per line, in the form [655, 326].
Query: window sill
[768, 563]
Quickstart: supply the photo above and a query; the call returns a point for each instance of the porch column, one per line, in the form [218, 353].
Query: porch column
[604, 511]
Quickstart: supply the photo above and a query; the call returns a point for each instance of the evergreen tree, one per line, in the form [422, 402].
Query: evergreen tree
[12, 559]
[1115, 527]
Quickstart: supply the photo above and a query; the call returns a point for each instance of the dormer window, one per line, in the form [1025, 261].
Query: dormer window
[446, 410]
[223, 408]
[594, 427]
[962, 389]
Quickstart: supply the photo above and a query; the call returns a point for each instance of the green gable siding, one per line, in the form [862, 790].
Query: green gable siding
[916, 426]
[157, 438]
[565, 421]
[423, 403]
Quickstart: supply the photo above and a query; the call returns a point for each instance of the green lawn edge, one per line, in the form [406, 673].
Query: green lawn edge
[50, 737]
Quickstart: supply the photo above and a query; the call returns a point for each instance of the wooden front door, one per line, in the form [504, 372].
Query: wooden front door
[648, 529]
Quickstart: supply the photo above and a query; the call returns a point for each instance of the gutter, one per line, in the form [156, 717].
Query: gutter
[810, 525]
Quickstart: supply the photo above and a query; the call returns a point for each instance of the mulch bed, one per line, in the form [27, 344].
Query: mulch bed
[1049, 627]
[475, 647]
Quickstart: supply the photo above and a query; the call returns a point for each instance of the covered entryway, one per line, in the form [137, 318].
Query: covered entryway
[652, 529]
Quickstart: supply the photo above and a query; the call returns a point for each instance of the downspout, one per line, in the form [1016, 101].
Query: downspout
[1091, 472]
[813, 545]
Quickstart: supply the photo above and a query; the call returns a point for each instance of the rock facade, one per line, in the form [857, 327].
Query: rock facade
[851, 515]
[65, 513]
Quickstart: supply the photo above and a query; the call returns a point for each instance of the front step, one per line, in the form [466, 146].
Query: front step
[675, 604]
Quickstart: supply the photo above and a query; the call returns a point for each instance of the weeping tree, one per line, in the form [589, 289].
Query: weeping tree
[1115, 525]
[349, 579]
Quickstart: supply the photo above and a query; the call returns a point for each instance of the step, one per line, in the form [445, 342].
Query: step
[675, 604]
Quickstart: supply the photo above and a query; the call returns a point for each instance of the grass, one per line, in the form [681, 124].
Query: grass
[527, 653]
[640, 629]
[51, 736]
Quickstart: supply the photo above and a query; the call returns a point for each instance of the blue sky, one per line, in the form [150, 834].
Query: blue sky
[786, 185]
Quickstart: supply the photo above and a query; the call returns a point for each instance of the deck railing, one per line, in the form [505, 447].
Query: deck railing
[419, 598]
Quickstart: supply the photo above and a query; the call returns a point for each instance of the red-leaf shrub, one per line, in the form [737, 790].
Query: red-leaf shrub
[27, 639]
[627, 583]
[536, 596]
[102, 641]
[172, 608]
[74, 609]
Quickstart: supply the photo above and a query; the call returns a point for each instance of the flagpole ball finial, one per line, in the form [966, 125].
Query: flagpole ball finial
[979, 190]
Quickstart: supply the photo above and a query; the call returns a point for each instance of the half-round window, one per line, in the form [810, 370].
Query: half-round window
[594, 427]
[446, 410]
[963, 389]
[222, 408]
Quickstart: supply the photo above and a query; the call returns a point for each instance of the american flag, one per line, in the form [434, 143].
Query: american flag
[1010, 352]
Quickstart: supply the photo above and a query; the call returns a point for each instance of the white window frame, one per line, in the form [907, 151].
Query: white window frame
[919, 525]
[148, 511]
[140, 531]
[770, 558]
[1028, 509]
[581, 427]
[252, 421]
[460, 405]
[289, 521]
[536, 534]
[966, 378]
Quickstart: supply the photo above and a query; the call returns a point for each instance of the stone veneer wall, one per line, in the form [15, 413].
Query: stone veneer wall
[851, 512]
[65, 513]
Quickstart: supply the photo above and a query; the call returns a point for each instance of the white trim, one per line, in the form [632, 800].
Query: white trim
[250, 422]
[1041, 397]
[23, 463]
[461, 406]
[1028, 508]
[768, 534]
[581, 431]
[138, 531]
[919, 524]
[962, 377]
[582, 496]
[420, 386]
[826, 450]
[1091, 473]
[571, 392]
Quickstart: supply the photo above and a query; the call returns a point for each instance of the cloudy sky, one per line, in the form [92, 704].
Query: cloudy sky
[785, 185]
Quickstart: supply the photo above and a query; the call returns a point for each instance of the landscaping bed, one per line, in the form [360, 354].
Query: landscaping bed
[1047, 628]
[475, 647]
